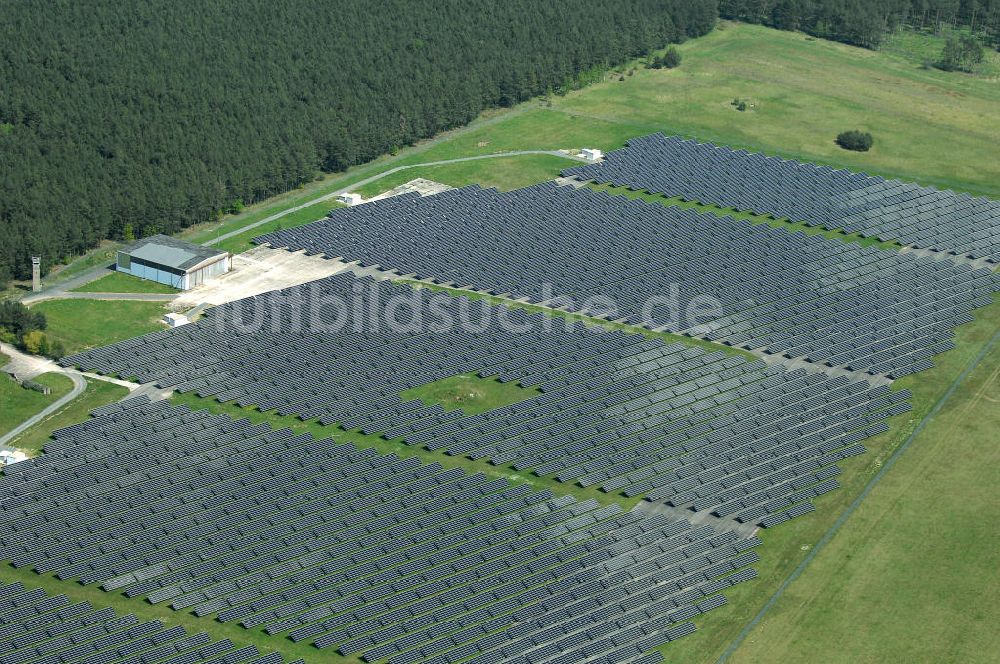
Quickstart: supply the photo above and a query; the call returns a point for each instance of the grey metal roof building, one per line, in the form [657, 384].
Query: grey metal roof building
[173, 262]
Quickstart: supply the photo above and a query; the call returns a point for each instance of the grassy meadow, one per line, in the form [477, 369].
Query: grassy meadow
[83, 324]
[469, 392]
[785, 547]
[938, 128]
[912, 576]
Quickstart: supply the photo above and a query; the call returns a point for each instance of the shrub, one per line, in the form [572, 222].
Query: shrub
[859, 141]
[34, 341]
[56, 349]
[672, 58]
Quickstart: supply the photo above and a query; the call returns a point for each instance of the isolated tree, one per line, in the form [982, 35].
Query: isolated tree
[859, 141]
[672, 58]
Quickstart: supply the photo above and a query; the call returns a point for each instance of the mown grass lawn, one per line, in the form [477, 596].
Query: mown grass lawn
[83, 324]
[98, 393]
[939, 128]
[469, 392]
[18, 403]
[912, 575]
[119, 282]
[240, 243]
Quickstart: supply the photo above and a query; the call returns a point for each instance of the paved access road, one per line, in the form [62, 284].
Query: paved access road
[379, 176]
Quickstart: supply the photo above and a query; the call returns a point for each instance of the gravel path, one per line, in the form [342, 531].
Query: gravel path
[28, 366]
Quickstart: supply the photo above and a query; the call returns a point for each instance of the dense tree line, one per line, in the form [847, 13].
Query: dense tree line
[867, 22]
[148, 116]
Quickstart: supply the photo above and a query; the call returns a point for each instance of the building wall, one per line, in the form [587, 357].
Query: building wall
[216, 269]
[152, 273]
[162, 275]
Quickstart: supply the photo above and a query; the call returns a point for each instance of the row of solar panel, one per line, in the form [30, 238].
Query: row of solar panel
[751, 286]
[43, 629]
[890, 210]
[623, 412]
[376, 556]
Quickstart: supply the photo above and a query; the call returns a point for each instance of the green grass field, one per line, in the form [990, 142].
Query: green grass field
[920, 48]
[240, 243]
[18, 404]
[82, 324]
[98, 393]
[784, 548]
[469, 392]
[912, 576]
[936, 127]
[119, 282]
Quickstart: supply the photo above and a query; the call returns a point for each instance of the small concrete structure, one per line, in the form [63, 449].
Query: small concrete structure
[175, 319]
[591, 154]
[9, 456]
[173, 262]
[36, 273]
[350, 198]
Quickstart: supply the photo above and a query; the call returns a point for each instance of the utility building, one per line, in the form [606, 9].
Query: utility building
[173, 262]
[350, 199]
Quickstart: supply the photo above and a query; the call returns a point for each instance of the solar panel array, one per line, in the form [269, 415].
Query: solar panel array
[696, 429]
[801, 296]
[43, 629]
[376, 556]
[889, 210]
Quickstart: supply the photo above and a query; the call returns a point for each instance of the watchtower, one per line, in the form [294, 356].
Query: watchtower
[36, 273]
